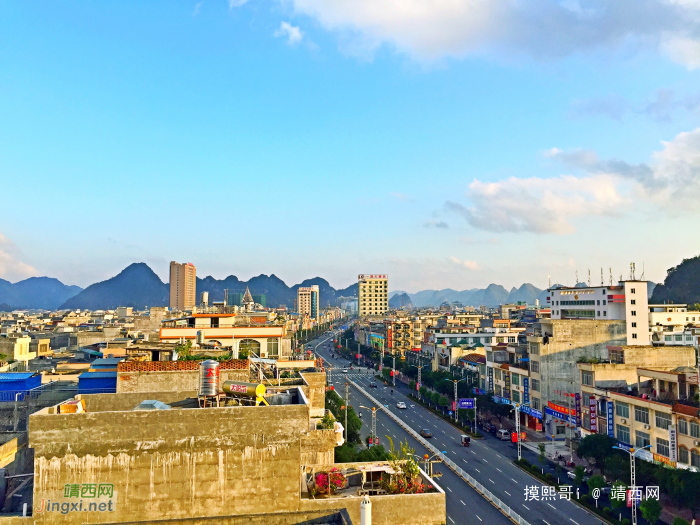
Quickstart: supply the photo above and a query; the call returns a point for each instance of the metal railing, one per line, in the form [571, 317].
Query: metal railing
[514, 516]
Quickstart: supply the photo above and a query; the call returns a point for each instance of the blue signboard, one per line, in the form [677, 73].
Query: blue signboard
[466, 403]
[478, 391]
[578, 409]
[531, 412]
[560, 415]
[526, 389]
[611, 418]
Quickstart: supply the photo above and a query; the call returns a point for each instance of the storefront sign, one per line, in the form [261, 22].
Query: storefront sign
[611, 418]
[490, 379]
[664, 460]
[526, 389]
[506, 390]
[577, 405]
[531, 412]
[592, 407]
[558, 408]
[559, 415]
[673, 443]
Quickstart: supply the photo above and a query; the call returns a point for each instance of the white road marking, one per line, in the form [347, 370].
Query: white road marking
[523, 506]
[513, 480]
[478, 517]
[546, 523]
[478, 470]
[466, 461]
[448, 488]
[499, 457]
[454, 452]
[507, 493]
[473, 452]
[499, 470]
[463, 503]
[492, 481]
[486, 460]
[450, 519]
[574, 521]
[556, 509]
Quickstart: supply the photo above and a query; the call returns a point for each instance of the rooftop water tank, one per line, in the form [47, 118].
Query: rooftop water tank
[208, 378]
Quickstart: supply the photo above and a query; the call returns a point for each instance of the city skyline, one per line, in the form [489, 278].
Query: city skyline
[441, 151]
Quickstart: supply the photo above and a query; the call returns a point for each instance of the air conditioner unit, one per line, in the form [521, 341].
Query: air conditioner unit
[696, 443]
[623, 421]
[646, 427]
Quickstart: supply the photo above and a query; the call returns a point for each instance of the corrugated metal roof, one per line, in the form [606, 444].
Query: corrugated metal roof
[16, 376]
[97, 375]
[107, 361]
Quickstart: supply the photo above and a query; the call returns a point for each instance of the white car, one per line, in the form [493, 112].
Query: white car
[503, 435]
[345, 370]
[400, 404]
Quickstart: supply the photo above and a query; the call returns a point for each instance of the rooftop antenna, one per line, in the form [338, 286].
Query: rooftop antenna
[549, 278]
[610, 275]
[589, 277]
[632, 269]
[642, 277]
[602, 279]
[576, 278]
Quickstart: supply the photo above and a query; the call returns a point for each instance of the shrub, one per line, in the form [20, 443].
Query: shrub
[525, 463]
[679, 521]
[549, 477]
[607, 511]
[587, 499]
[625, 521]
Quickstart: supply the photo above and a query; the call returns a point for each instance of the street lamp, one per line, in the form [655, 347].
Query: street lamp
[455, 381]
[517, 407]
[428, 461]
[633, 452]
[418, 385]
[373, 432]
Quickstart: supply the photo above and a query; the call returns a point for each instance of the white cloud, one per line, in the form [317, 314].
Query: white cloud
[400, 196]
[198, 8]
[471, 265]
[236, 3]
[11, 268]
[670, 183]
[432, 223]
[430, 30]
[293, 34]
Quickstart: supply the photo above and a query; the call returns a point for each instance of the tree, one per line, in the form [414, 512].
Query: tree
[596, 482]
[542, 458]
[651, 510]
[422, 391]
[619, 503]
[412, 386]
[596, 447]
[679, 521]
[578, 471]
[616, 466]
[435, 397]
[443, 401]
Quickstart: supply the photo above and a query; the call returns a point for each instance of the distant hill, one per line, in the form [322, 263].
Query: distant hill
[682, 284]
[400, 301]
[493, 295]
[138, 286]
[45, 293]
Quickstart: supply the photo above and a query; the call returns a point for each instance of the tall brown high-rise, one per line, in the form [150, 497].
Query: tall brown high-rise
[183, 285]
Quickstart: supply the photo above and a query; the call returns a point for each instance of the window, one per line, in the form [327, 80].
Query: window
[511, 339]
[633, 301]
[535, 401]
[623, 434]
[642, 439]
[683, 455]
[535, 367]
[634, 325]
[634, 336]
[641, 414]
[633, 313]
[498, 375]
[248, 346]
[622, 409]
[598, 302]
[632, 291]
[498, 390]
[694, 430]
[535, 385]
[516, 396]
[663, 420]
[678, 337]
[272, 347]
[605, 314]
[662, 447]
[515, 379]
[587, 378]
[683, 427]
[695, 459]
[668, 338]
[598, 313]
[535, 348]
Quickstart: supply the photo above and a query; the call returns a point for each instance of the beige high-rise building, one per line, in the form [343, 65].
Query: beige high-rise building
[373, 295]
[308, 301]
[183, 286]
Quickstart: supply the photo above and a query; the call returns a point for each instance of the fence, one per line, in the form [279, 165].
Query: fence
[514, 516]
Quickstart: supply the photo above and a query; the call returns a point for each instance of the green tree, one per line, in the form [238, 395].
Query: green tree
[651, 510]
[619, 503]
[541, 457]
[596, 482]
[616, 467]
[679, 521]
[578, 471]
[435, 397]
[423, 391]
[183, 349]
[596, 447]
[443, 401]
[412, 386]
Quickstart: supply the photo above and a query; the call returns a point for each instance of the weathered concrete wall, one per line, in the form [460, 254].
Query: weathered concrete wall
[570, 340]
[122, 402]
[318, 447]
[172, 464]
[169, 381]
[315, 391]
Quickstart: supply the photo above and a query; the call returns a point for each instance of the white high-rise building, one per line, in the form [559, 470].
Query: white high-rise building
[308, 301]
[373, 294]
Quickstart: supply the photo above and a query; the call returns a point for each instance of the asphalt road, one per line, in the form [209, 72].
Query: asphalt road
[489, 461]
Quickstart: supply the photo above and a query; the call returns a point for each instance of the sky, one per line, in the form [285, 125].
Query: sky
[446, 143]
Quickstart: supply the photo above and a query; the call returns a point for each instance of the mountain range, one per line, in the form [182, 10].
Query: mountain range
[139, 286]
[492, 295]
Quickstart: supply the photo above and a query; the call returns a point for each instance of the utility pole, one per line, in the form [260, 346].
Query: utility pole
[456, 405]
[358, 354]
[346, 411]
[517, 430]
[393, 366]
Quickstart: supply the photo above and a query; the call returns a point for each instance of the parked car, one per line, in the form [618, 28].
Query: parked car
[345, 370]
[503, 435]
[400, 404]
[373, 385]
[426, 433]
[490, 427]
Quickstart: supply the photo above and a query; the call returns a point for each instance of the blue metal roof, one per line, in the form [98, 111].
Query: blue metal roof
[97, 375]
[16, 376]
[108, 361]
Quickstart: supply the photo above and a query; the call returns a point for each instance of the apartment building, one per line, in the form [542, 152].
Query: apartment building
[373, 294]
[183, 286]
[625, 302]
[308, 301]
[671, 317]
[399, 336]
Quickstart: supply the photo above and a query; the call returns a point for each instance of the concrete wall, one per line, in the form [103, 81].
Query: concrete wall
[172, 464]
[315, 391]
[170, 381]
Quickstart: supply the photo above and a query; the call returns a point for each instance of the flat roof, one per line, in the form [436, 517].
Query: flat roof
[16, 376]
[98, 375]
[108, 361]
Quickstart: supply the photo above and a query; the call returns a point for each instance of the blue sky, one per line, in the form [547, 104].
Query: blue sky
[448, 144]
